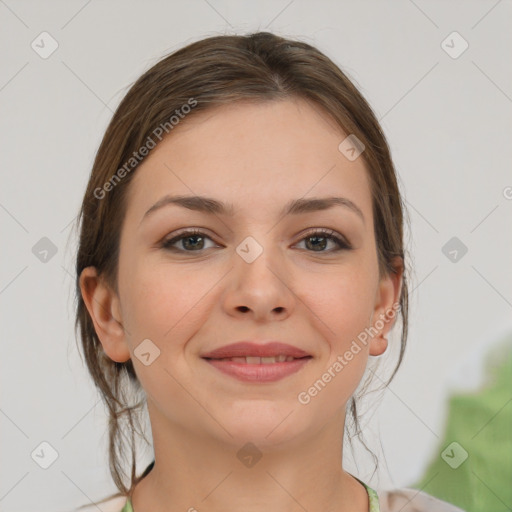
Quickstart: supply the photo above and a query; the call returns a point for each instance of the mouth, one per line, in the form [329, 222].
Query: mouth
[259, 360]
[252, 362]
[246, 349]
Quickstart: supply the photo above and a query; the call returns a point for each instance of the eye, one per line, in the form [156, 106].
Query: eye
[318, 240]
[191, 241]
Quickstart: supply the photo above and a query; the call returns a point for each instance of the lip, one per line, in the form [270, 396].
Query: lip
[259, 372]
[270, 372]
[248, 348]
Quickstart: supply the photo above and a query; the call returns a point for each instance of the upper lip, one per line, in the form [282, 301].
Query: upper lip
[247, 348]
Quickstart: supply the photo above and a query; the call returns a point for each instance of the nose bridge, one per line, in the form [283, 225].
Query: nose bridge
[259, 278]
[260, 257]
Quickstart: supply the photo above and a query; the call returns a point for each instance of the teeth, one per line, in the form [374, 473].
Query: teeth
[236, 359]
[259, 360]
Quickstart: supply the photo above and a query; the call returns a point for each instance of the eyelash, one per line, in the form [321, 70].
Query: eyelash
[324, 233]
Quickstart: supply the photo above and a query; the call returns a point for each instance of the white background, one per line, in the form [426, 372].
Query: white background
[448, 122]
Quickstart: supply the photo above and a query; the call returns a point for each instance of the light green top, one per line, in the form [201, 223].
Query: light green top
[372, 497]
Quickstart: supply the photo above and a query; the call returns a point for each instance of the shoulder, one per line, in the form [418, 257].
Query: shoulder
[412, 500]
[114, 504]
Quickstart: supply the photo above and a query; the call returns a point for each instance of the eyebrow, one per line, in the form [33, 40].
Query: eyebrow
[214, 207]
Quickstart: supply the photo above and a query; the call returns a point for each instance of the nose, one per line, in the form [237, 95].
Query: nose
[260, 289]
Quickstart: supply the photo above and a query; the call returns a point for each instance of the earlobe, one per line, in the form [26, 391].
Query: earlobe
[103, 307]
[378, 346]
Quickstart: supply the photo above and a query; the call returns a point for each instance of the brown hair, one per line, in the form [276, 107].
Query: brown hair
[216, 71]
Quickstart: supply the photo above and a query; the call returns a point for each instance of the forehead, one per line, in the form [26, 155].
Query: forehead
[254, 156]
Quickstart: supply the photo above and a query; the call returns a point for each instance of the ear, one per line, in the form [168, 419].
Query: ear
[105, 311]
[386, 307]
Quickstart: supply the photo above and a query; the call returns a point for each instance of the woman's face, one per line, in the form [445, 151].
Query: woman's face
[253, 274]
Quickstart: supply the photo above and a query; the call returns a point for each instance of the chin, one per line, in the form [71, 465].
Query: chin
[265, 425]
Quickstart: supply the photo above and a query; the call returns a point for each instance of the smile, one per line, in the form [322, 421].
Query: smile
[259, 369]
[259, 360]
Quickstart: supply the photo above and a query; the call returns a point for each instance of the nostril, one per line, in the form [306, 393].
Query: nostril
[243, 308]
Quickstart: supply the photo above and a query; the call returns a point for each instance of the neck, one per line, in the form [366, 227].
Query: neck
[192, 471]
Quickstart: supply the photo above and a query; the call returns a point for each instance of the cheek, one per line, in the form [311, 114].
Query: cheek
[344, 313]
[343, 303]
[350, 313]
[162, 304]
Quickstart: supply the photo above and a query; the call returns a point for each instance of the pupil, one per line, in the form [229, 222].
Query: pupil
[193, 246]
[316, 238]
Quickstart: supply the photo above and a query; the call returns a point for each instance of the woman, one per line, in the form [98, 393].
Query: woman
[241, 258]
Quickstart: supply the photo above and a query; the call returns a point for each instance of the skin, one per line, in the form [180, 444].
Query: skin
[257, 157]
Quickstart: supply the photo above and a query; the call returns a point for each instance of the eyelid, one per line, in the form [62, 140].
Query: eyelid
[184, 233]
[340, 240]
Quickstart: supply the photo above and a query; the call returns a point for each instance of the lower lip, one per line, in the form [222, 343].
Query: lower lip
[259, 372]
